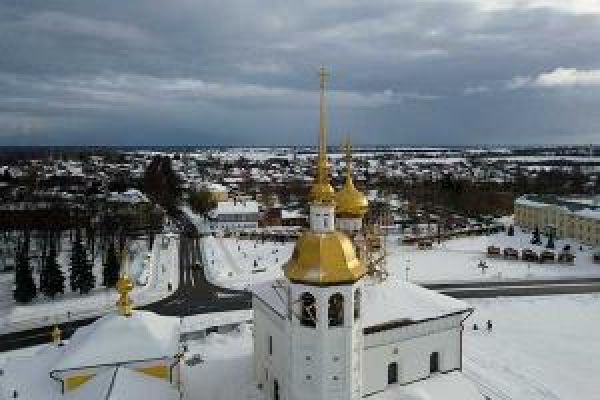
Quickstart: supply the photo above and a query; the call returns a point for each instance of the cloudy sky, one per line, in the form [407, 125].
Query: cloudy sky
[204, 72]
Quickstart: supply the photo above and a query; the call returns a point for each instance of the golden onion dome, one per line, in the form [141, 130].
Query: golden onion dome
[322, 192]
[324, 259]
[349, 202]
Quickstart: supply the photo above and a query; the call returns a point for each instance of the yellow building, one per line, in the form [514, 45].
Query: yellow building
[577, 219]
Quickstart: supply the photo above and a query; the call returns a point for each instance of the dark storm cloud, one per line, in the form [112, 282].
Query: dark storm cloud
[244, 72]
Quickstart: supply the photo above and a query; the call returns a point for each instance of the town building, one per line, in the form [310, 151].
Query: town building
[234, 215]
[574, 218]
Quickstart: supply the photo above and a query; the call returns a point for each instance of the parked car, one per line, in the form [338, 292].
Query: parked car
[566, 258]
[493, 251]
[425, 244]
[547, 255]
[529, 255]
[511, 253]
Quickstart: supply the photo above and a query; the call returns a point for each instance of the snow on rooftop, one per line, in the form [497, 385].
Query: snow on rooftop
[381, 302]
[235, 207]
[115, 338]
[393, 300]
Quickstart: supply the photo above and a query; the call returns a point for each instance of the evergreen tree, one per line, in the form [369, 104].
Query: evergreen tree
[52, 279]
[77, 260]
[82, 276]
[88, 280]
[25, 289]
[110, 273]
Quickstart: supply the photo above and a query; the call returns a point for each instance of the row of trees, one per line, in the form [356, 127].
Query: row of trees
[51, 276]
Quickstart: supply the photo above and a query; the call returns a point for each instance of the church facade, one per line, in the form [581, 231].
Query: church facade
[329, 331]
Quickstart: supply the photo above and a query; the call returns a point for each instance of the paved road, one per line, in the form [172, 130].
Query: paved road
[195, 295]
[527, 288]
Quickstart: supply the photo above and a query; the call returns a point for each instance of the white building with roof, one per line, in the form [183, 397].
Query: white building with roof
[234, 215]
[125, 355]
[328, 332]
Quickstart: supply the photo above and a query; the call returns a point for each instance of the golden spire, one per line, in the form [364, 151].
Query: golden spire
[349, 201]
[56, 335]
[322, 191]
[124, 287]
[348, 148]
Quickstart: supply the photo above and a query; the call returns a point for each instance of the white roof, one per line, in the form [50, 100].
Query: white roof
[235, 207]
[392, 301]
[124, 384]
[589, 213]
[523, 201]
[450, 386]
[115, 338]
[381, 302]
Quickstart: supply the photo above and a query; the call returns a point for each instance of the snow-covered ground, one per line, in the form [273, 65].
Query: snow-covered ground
[457, 259]
[452, 260]
[160, 266]
[237, 263]
[540, 347]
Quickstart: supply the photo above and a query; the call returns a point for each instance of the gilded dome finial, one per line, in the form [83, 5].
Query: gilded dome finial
[349, 201]
[322, 191]
[56, 335]
[124, 287]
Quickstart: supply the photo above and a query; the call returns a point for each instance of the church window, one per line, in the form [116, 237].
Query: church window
[270, 345]
[308, 313]
[434, 362]
[275, 390]
[336, 310]
[392, 373]
[357, 304]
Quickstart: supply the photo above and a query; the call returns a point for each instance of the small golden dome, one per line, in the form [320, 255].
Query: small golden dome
[125, 304]
[322, 193]
[349, 202]
[324, 259]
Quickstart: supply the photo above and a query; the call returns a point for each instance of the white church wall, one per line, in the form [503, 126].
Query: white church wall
[324, 358]
[270, 347]
[411, 353]
[349, 224]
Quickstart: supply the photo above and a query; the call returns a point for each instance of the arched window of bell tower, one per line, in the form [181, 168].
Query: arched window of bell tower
[336, 310]
[308, 311]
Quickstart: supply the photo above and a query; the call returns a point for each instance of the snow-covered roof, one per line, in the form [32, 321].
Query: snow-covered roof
[131, 196]
[121, 383]
[235, 207]
[394, 301]
[450, 386]
[382, 303]
[115, 338]
[524, 201]
[588, 213]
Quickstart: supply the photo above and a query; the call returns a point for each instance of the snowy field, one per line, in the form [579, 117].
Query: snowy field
[457, 260]
[159, 266]
[542, 348]
[237, 263]
[453, 260]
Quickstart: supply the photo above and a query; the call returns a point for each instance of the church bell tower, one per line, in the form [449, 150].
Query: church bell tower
[324, 296]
